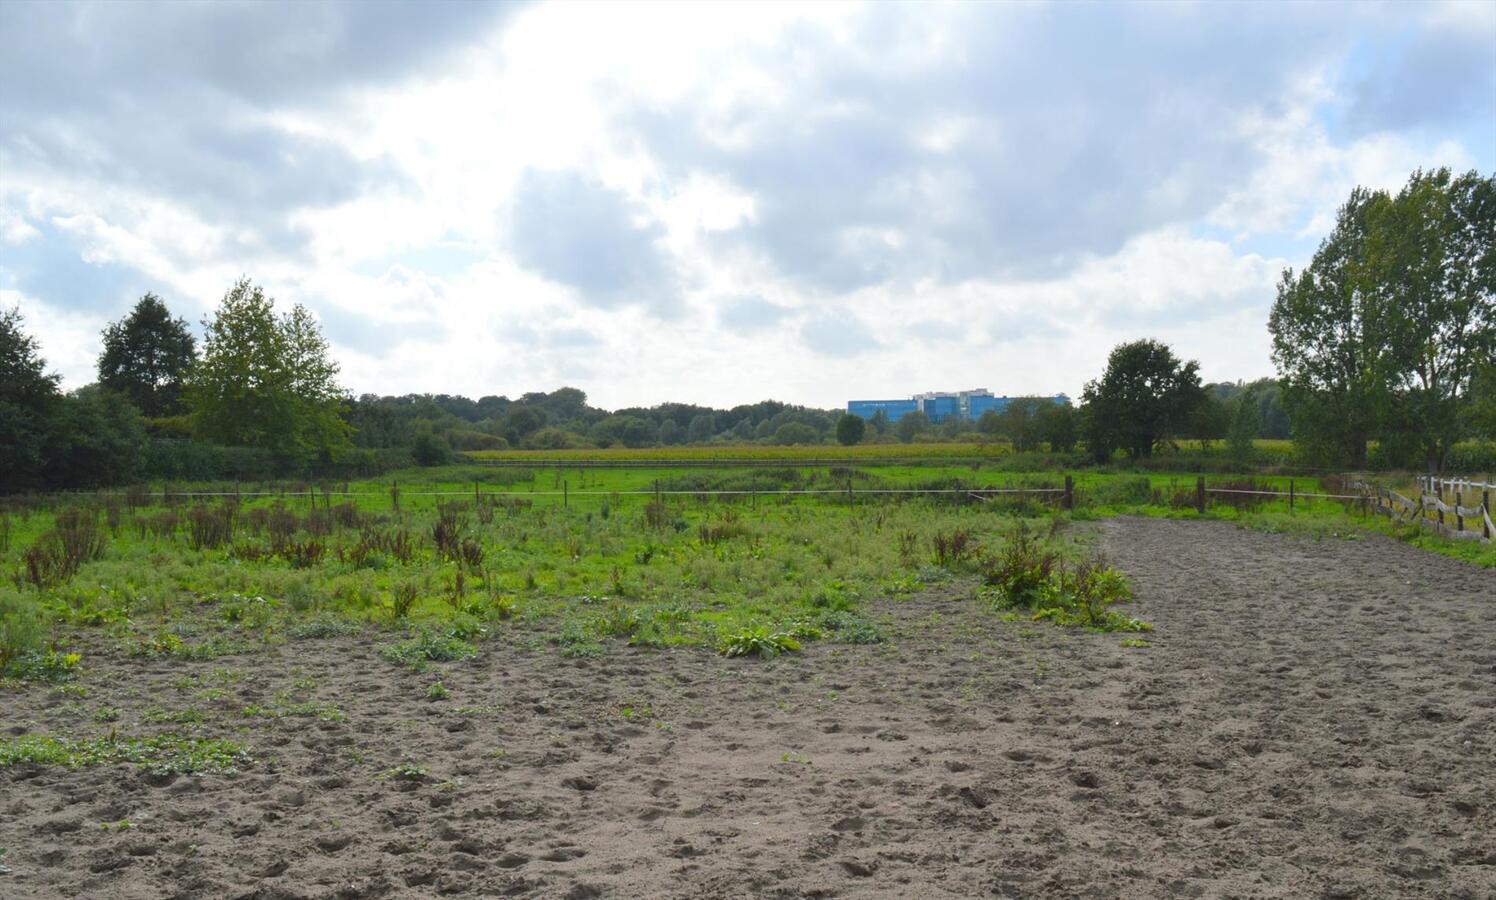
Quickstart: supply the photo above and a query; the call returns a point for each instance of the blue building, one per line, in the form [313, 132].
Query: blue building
[939, 406]
[893, 409]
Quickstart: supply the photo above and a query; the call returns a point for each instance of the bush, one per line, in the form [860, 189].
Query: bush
[1023, 572]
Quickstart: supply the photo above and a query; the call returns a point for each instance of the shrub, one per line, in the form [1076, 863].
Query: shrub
[1022, 572]
[953, 548]
[209, 528]
[402, 598]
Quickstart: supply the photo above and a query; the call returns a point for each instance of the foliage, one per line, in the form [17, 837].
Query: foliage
[1246, 422]
[911, 425]
[27, 398]
[147, 356]
[850, 430]
[1383, 335]
[266, 381]
[759, 642]
[1146, 395]
[1030, 576]
[97, 439]
[167, 754]
[429, 646]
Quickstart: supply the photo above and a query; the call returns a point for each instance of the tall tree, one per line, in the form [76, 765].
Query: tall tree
[28, 398]
[1246, 422]
[1381, 336]
[1433, 255]
[1056, 423]
[265, 381]
[1147, 395]
[1330, 338]
[147, 356]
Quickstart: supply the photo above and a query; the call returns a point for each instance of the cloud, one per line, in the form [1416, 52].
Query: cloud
[716, 203]
[751, 314]
[838, 334]
[583, 234]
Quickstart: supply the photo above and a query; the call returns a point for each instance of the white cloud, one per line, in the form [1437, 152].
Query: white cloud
[717, 203]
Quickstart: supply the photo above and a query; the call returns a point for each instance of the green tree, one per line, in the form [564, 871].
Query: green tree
[428, 448]
[1382, 335]
[879, 422]
[96, 439]
[28, 399]
[1019, 422]
[1480, 417]
[850, 430]
[1433, 258]
[266, 381]
[702, 428]
[1246, 423]
[147, 356]
[1211, 422]
[630, 431]
[911, 425]
[795, 433]
[990, 422]
[1057, 426]
[671, 433]
[1145, 396]
[1329, 340]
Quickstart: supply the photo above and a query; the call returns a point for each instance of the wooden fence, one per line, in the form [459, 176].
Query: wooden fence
[1440, 506]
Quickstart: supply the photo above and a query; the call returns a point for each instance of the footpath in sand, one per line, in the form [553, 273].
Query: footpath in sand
[1312, 718]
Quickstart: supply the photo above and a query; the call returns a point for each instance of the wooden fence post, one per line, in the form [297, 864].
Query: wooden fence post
[565, 496]
[1200, 495]
[1290, 495]
[1068, 501]
[1459, 518]
[1439, 495]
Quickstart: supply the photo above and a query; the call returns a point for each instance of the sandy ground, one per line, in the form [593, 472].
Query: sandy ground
[1312, 719]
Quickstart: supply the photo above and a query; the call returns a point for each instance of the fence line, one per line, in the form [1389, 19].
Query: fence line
[1431, 491]
[1385, 501]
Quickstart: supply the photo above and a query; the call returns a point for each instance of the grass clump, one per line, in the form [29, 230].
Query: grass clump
[166, 754]
[759, 642]
[428, 647]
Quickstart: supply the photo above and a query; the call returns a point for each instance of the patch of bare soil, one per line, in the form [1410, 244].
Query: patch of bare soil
[1311, 718]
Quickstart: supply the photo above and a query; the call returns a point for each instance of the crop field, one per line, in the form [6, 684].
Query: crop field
[787, 679]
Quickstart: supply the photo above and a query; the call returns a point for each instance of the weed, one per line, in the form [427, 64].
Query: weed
[759, 642]
[323, 628]
[429, 647]
[402, 598]
[953, 548]
[162, 755]
[438, 691]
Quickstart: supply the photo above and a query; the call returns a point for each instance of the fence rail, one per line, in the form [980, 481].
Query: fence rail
[1434, 494]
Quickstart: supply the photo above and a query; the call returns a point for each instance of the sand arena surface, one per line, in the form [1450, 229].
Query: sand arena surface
[1312, 719]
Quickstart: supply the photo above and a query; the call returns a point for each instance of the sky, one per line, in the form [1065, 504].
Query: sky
[715, 203]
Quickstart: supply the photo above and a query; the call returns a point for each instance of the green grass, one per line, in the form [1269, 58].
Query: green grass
[163, 754]
[692, 567]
